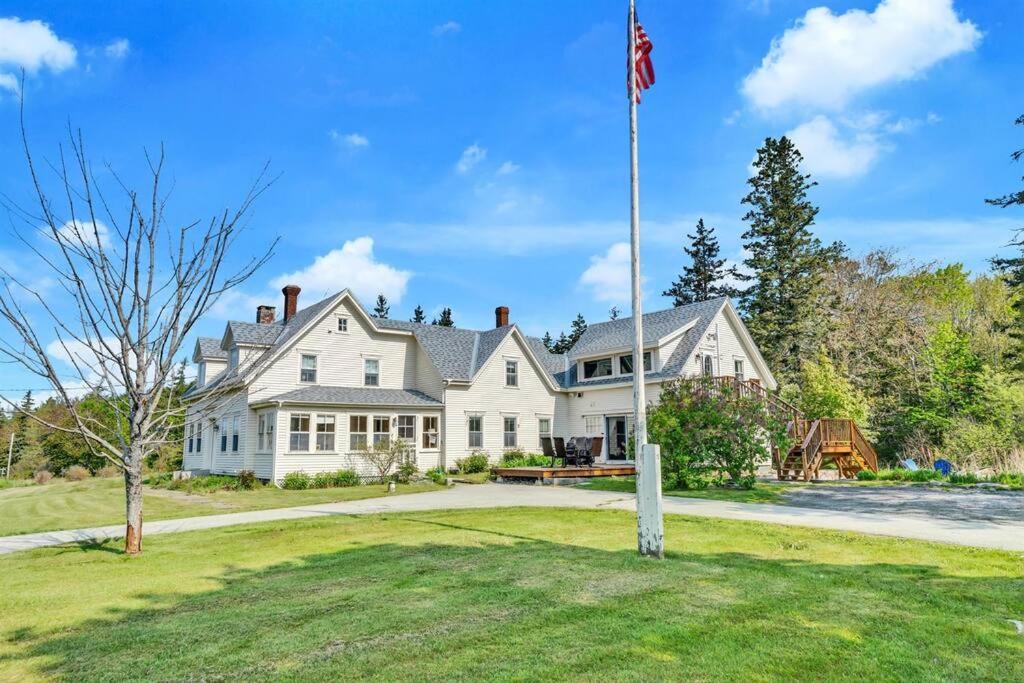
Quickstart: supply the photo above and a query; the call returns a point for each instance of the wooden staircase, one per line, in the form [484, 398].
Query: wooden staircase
[822, 441]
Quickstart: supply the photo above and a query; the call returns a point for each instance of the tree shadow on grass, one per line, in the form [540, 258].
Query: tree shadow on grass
[489, 603]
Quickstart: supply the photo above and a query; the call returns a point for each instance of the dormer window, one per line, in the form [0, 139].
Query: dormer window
[599, 367]
[307, 369]
[233, 358]
[626, 363]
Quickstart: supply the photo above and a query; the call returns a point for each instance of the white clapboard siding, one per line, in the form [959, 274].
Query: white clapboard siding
[340, 357]
[724, 350]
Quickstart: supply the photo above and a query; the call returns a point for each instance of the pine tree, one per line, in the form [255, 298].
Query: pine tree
[786, 260]
[547, 341]
[613, 313]
[562, 345]
[26, 431]
[418, 316]
[705, 277]
[1012, 270]
[445, 320]
[576, 330]
[381, 309]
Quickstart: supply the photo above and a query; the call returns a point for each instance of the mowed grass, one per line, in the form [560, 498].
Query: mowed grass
[761, 493]
[99, 502]
[513, 594]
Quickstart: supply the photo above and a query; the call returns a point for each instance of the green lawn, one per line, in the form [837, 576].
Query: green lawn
[98, 502]
[761, 493]
[512, 594]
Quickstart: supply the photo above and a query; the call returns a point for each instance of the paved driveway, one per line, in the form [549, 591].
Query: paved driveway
[979, 533]
[929, 502]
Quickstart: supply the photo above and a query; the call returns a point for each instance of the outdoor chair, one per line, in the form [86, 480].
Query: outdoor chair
[596, 445]
[560, 450]
[549, 449]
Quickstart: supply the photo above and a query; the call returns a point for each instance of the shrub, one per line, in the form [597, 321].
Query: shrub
[322, 480]
[42, 477]
[108, 471]
[513, 458]
[76, 473]
[1011, 479]
[343, 478]
[892, 474]
[406, 471]
[246, 480]
[295, 481]
[923, 475]
[867, 475]
[963, 478]
[386, 455]
[437, 475]
[707, 428]
[473, 463]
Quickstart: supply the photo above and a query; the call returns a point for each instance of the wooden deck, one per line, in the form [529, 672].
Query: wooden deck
[550, 473]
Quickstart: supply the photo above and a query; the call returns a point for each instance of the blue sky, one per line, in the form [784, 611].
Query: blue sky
[471, 154]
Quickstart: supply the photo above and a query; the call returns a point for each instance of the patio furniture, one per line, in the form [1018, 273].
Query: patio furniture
[943, 467]
[596, 446]
[549, 449]
[560, 450]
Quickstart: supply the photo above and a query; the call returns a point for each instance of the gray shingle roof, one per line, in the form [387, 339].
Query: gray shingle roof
[209, 347]
[457, 353]
[356, 396]
[254, 333]
[615, 334]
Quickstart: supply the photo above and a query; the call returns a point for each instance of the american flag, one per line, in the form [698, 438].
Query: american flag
[644, 66]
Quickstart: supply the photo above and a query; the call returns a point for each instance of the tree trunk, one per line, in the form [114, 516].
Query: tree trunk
[133, 498]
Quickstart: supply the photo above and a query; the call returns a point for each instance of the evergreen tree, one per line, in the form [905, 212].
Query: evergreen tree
[445, 320]
[547, 341]
[418, 316]
[576, 330]
[562, 345]
[381, 309]
[787, 262]
[613, 313]
[704, 278]
[26, 433]
[1012, 270]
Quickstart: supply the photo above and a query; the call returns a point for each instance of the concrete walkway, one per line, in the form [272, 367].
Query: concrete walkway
[968, 532]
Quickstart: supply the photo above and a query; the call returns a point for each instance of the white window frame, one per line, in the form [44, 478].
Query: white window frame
[326, 419]
[199, 437]
[583, 367]
[367, 374]
[738, 370]
[541, 432]
[261, 426]
[381, 436]
[707, 365]
[354, 433]
[431, 436]
[512, 373]
[292, 432]
[343, 324]
[191, 437]
[628, 358]
[235, 432]
[470, 432]
[592, 425]
[411, 440]
[222, 428]
[505, 433]
[316, 367]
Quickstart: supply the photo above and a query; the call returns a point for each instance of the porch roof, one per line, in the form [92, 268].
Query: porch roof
[354, 396]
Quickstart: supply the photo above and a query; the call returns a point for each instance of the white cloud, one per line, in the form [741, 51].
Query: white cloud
[80, 232]
[827, 59]
[732, 118]
[508, 168]
[9, 82]
[608, 277]
[827, 154]
[31, 45]
[118, 49]
[353, 266]
[351, 140]
[471, 156]
[448, 27]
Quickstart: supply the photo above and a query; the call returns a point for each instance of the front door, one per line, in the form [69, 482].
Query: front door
[618, 428]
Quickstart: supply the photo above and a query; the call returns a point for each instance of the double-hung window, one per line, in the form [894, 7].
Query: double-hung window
[191, 436]
[223, 428]
[543, 428]
[592, 425]
[510, 431]
[511, 373]
[357, 432]
[476, 431]
[342, 324]
[430, 432]
[234, 433]
[381, 430]
[709, 366]
[737, 366]
[371, 372]
[325, 432]
[407, 428]
[307, 369]
[298, 434]
[199, 437]
[261, 429]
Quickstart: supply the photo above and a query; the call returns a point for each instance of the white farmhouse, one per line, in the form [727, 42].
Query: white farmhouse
[309, 391]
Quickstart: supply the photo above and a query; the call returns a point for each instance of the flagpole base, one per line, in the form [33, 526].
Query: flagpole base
[650, 521]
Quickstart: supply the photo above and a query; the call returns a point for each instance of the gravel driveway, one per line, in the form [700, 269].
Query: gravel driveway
[978, 505]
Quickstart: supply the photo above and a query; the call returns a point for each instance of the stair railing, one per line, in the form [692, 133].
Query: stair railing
[810, 449]
[864, 447]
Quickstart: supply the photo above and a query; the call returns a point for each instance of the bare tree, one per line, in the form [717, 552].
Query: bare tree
[135, 285]
[386, 455]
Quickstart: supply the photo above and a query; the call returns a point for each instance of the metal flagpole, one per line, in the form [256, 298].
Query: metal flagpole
[650, 525]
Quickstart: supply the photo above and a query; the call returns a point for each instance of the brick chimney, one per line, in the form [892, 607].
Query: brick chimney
[501, 316]
[265, 314]
[291, 300]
